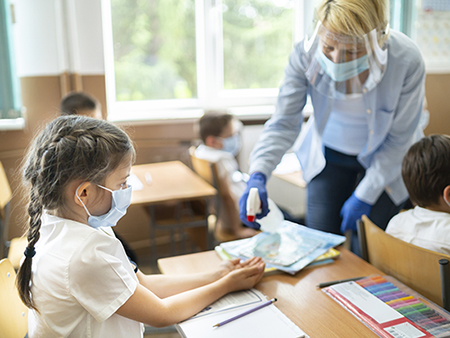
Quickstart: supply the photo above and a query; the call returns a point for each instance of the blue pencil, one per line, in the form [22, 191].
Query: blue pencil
[246, 312]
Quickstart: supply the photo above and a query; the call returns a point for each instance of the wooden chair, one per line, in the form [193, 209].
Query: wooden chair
[5, 202]
[224, 201]
[16, 248]
[12, 249]
[13, 313]
[420, 269]
[205, 169]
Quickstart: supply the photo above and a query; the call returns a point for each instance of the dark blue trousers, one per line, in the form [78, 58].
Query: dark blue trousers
[328, 191]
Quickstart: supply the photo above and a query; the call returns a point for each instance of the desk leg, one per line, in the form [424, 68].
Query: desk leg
[209, 236]
[172, 229]
[151, 209]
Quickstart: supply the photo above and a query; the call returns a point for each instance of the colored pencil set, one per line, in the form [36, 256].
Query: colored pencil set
[390, 308]
[409, 306]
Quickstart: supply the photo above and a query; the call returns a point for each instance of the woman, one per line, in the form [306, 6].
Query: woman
[366, 84]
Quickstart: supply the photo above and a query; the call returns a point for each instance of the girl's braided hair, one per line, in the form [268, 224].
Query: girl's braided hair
[69, 148]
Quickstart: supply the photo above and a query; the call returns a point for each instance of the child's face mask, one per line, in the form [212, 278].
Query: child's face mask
[232, 144]
[121, 200]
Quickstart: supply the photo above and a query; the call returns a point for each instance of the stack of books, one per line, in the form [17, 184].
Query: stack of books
[291, 248]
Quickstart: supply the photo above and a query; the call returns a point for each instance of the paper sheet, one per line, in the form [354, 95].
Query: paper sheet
[234, 300]
[267, 322]
[135, 182]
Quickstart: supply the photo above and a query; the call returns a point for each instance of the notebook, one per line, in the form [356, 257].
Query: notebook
[267, 322]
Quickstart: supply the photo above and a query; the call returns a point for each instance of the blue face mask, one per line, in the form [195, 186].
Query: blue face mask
[342, 71]
[232, 144]
[121, 200]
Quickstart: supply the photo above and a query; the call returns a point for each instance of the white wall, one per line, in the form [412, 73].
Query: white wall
[90, 36]
[55, 36]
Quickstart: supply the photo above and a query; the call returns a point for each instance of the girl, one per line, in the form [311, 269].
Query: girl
[76, 277]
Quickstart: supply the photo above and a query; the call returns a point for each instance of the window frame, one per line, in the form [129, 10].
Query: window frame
[10, 97]
[245, 103]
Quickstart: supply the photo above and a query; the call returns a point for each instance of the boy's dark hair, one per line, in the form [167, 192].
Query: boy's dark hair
[212, 123]
[426, 169]
[73, 103]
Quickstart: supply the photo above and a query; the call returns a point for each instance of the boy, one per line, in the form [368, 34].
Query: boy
[81, 104]
[426, 173]
[219, 132]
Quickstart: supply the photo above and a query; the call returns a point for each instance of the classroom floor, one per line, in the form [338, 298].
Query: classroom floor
[162, 334]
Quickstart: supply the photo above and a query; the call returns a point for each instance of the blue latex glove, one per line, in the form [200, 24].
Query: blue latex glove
[351, 211]
[256, 180]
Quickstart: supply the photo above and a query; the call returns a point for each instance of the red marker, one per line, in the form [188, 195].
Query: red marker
[253, 204]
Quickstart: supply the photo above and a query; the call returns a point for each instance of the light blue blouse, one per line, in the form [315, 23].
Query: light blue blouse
[393, 111]
[346, 130]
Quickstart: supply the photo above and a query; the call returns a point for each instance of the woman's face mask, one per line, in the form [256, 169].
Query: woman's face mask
[121, 200]
[343, 71]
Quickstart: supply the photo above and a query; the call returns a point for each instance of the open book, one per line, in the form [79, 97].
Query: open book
[267, 322]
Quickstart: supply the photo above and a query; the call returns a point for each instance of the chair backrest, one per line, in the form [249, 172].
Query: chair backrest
[5, 199]
[5, 191]
[15, 252]
[13, 313]
[414, 266]
[205, 169]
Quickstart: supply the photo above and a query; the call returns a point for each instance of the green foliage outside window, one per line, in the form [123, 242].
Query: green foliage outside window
[154, 49]
[257, 39]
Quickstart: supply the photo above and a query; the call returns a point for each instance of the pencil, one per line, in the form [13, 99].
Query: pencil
[322, 285]
[246, 312]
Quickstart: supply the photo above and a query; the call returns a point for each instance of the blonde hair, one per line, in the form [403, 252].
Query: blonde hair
[353, 17]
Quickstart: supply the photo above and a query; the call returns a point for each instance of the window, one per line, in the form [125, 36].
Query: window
[174, 58]
[10, 102]
[402, 14]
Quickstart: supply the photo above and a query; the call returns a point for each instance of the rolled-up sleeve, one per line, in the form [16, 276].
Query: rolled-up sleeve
[281, 131]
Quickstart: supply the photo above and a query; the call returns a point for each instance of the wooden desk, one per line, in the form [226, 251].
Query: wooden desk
[290, 162]
[170, 182]
[295, 178]
[298, 298]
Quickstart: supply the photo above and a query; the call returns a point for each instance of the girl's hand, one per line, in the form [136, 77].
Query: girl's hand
[227, 266]
[246, 276]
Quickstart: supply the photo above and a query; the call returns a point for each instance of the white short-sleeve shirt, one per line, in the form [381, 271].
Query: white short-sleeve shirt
[80, 277]
[422, 227]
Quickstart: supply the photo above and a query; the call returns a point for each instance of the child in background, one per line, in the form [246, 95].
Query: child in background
[219, 132]
[426, 173]
[76, 277]
[79, 103]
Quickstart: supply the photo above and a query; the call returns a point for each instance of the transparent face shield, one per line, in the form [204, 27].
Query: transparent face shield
[342, 66]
